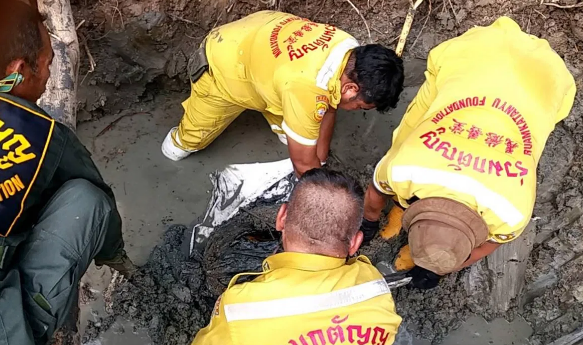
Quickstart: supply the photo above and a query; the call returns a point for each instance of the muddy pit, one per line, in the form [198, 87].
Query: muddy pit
[141, 49]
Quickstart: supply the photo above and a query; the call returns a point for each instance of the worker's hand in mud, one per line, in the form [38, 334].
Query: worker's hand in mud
[424, 279]
[369, 230]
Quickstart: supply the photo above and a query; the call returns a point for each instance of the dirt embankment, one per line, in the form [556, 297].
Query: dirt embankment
[142, 47]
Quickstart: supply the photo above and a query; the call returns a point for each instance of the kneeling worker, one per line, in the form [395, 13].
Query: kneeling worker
[56, 212]
[463, 160]
[310, 293]
[294, 71]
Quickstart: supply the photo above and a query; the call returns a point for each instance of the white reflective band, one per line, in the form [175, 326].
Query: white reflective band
[275, 128]
[333, 62]
[306, 304]
[503, 208]
[296, 137]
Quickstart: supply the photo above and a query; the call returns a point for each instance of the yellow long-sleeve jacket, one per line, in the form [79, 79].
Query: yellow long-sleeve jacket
[302, 299]
[477, 128]
[281, 64]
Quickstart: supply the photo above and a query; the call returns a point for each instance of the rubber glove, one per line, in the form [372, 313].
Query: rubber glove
[424, 279]
[369, 230]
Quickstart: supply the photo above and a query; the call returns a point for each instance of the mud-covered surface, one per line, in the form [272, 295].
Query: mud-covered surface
[241, 245]
[172, 296]
[167, 296]
[141, 48]
[553, 297]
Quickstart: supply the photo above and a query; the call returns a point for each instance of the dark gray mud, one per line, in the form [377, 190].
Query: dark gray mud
[172, 296]
[167, 296]
[553, 299]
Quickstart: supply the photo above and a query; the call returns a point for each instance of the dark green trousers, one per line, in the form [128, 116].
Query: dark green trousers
[41, 270]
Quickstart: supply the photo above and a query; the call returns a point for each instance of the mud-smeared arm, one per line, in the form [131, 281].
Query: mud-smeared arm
[326, 133]
[480, 253]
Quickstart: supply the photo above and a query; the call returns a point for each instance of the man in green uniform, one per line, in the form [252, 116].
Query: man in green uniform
[56, 212]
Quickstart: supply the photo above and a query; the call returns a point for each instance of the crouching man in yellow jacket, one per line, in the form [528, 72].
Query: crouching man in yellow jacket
[463, 160]
[294, 71]
[310, 294]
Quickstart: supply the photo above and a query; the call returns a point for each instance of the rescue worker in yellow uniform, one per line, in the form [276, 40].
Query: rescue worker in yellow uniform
[310, 293]
[464, 157]
[294, 71]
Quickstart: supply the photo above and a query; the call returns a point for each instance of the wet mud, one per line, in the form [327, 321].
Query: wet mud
[172, 295]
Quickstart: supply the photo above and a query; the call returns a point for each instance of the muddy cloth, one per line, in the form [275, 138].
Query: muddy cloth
[477, 128]
[238, 186]
[63, 217]
[300, 296]
[284, 66]
[232, 252]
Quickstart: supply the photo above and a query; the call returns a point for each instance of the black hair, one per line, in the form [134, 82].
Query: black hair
[378, 71]
[332, 179]
[325, 211]
[20, 34]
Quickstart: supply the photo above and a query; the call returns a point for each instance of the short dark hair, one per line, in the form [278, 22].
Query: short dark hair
[378, 71]
[20, 35]
[325, 210]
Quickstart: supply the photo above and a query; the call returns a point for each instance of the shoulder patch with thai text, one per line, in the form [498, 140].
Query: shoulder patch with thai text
[24, 138]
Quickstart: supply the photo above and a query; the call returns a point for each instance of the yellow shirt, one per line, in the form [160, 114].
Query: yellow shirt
[477, 128]
[305, 299]
[282, 64]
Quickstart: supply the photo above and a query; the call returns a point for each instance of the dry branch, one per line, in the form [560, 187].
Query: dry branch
[407, 27]
[563, 6]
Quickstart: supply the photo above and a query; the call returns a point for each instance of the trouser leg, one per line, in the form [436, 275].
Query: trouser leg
[207, 113]
[14, 328]
[79, 224]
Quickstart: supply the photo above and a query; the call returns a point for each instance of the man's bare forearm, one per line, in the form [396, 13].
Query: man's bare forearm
[326, 133]
[480, 253]
[303, 157]
[374, 202]
[302, 166]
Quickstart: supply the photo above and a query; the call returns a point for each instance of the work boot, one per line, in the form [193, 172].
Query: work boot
[404, 261]
[169, 148]
[121, 263]
[394, 225]
[369, 230]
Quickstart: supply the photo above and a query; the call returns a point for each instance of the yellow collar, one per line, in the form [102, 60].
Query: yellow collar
[302, 261]
[335, 85]
[328, 77]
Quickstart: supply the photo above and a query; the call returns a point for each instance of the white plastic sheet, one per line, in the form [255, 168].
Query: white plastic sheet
[237, 186]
